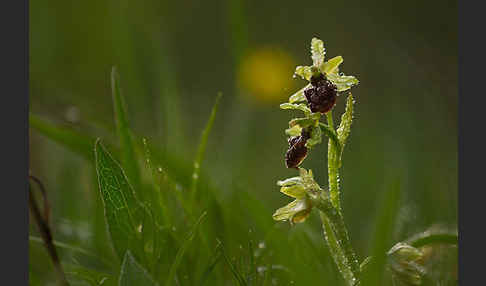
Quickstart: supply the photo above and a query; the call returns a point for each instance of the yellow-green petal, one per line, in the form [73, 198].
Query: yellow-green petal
[331, 66]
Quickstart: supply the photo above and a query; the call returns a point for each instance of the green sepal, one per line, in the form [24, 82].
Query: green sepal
[342, 82]
[315, 137]
[311, 120]
[295, 130]
[318, 52]
[296, 191]
[299, 95]
[308, 180]
[293, 187]
[299, 106]
[305, 72]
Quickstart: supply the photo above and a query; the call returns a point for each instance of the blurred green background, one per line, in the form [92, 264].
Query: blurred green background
[173, 58]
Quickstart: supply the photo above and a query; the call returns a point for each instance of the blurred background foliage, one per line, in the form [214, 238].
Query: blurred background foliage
[174, 56]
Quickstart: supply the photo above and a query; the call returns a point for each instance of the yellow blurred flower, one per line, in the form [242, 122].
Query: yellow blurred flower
[265, 74]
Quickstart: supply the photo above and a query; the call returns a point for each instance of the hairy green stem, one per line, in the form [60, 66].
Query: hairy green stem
[332, 135]
[333, 167]
[335, 231]
[336, 251]
[337, 238]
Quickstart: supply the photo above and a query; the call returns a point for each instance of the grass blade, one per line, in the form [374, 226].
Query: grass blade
[132, 273]
[430, 237]
[365, 264]
[384, 229]
[238, 23]
[78, 274]
[184, 245]
[234, 270]
[202, 147]
[72, 248]
[72, 140]
[119, 201]
[158, 198]
[129, 160]
[82, 145]
[215, 260]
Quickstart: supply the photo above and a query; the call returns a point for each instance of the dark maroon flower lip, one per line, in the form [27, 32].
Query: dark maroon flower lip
[321, 96]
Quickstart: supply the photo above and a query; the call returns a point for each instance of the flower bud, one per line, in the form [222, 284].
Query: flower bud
[293, 187]
[295, 212]
[404, 263]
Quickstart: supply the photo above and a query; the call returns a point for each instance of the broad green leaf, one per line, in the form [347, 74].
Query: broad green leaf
[184, 245]
[295, 130]
[346, 119]
[318, 52]
[342, 82]
[121, 206]
[202, 146]
[305, 72]
[132, 273]
[332, 65]
[315, 137]
[72, 140]
[129, 159]
[299, 95]
[300, 106]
